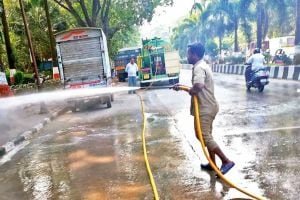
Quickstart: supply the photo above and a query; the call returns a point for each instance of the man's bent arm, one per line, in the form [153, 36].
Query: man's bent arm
[197, 87]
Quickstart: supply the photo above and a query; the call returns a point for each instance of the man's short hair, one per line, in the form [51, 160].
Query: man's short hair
[197, 49]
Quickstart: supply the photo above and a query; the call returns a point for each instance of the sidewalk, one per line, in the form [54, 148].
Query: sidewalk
[21, 122]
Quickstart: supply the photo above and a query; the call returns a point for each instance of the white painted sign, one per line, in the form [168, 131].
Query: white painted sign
[3, 80]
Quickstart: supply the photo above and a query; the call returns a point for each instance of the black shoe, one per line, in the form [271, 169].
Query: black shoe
[206, 167]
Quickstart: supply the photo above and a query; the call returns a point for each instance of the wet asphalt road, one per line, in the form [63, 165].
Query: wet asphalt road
[97, 153]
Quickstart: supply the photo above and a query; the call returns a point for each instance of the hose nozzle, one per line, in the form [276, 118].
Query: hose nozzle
[178, 87]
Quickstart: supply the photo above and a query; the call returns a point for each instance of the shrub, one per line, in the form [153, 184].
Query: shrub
[7, 77]
[28, 78]
[48, 85]
[236, 59]
[286, 60]
[48, 73]
[211, 48]
[19, 77]
[297, 59]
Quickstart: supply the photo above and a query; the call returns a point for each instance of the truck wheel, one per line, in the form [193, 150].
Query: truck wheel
[174, 81]
[108, 103]
[248, 86]
[144, 84]
[73, 109]
[112, 98]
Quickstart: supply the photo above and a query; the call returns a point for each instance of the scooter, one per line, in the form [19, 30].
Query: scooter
[258, 78]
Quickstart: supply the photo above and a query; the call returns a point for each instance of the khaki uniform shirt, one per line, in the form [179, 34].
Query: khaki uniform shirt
[207, 102]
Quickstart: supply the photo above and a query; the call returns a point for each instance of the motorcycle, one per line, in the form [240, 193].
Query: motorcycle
[257, 79]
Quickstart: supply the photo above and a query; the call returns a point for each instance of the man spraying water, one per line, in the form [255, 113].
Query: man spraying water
[203, 88]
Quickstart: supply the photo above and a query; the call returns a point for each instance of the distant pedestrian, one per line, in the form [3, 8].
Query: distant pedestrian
[203, 88]
[131, 69]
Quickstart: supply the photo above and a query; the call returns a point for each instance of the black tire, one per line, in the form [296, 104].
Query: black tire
[108, 103]
[122, 77]
[174, 81]
[112, 98]
[73, 109]
[261, 88]
[248, 88]
[144, 84]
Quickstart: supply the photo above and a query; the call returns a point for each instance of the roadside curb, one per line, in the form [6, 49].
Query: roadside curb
[278, 72]
[29, 134]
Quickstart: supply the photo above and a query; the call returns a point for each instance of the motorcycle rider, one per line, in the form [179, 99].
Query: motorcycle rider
[255, 62]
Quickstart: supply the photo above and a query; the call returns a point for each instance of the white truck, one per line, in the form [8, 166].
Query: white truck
[83, 62]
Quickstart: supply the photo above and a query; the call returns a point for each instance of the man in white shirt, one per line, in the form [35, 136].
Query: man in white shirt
[131, 69]
[257, 61]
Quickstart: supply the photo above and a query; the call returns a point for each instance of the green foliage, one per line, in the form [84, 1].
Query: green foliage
[211, 48]
[208, 21]
[185, 33]
[48, 85]
[28, 78]
[19, 77]
[297, 59]
[235, 59]
[115, 17]
[7, 74]
[38, 26]
[219, 19]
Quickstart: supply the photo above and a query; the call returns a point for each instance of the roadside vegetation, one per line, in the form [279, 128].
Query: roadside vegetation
[231, 28]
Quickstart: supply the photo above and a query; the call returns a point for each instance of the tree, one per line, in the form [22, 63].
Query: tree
[37, 20]
[185, 33]
[9, 51]
[259, 24]
[111, 15]
[297, 33]
[266, 8]
[50, 33]
[240, 15]
[216, 19]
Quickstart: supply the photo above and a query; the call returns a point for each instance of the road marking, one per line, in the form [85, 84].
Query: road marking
[298, 91]
[239, 132]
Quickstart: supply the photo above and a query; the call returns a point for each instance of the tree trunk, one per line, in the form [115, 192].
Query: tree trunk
[50, 32]
[297, 34]
[220, 44]
[259, 24]
[10, 54]
[236, 41]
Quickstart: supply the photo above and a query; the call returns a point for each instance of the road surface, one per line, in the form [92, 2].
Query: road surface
[97, 153]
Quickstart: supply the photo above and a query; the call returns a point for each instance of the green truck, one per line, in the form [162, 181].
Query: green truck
[158, 63]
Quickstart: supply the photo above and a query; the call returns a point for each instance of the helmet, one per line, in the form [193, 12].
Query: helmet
[256, 50]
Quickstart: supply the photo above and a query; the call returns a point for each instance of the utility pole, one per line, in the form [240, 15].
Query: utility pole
[30, 44]
[43, 108]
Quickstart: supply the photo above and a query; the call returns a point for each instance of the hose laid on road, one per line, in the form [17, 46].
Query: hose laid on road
[152, 181]
[200, 136]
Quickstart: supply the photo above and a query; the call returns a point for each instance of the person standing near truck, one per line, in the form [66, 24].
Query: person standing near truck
[131, 69]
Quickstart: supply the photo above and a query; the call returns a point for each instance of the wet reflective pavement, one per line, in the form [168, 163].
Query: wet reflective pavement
[97, 154]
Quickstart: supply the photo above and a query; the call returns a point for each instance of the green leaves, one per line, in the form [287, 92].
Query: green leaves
[219, 19]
